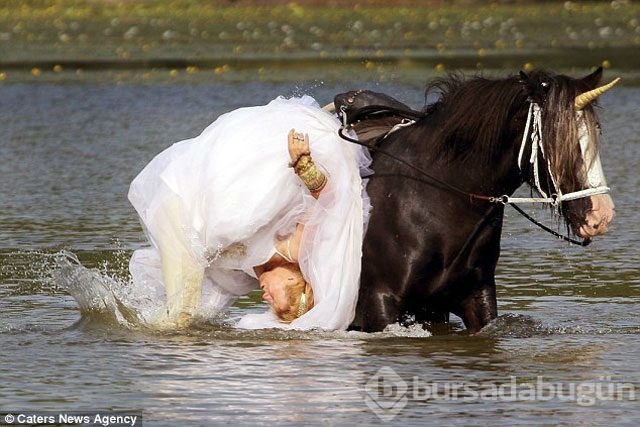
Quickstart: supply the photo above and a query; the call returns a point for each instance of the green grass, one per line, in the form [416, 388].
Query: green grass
[191, 35]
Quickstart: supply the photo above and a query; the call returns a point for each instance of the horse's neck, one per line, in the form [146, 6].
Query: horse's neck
[471, 173]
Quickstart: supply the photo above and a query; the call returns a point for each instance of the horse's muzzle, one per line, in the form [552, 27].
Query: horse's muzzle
[598, 218]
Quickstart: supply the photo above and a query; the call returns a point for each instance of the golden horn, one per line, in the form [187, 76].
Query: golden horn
[586, 98]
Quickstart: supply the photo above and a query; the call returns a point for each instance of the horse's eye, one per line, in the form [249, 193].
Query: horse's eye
[545, 86]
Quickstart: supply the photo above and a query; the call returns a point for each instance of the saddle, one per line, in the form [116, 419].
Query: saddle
[372, 115]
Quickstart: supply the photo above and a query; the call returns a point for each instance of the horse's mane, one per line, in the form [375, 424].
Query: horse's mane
[471, 118]
[474, 113]
[560, 129]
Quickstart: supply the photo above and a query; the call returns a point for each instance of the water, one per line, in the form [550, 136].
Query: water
[569, 316]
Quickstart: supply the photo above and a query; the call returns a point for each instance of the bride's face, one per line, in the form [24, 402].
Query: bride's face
[274, 283]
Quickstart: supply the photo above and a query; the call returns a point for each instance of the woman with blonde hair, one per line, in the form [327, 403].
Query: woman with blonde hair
[251, 203]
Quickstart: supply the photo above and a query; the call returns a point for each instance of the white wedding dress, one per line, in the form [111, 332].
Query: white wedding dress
[212, 207]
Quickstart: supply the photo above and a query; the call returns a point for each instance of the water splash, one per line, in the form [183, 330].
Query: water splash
[98, 295]
[411, 331]
[514, 326]
[107, 295]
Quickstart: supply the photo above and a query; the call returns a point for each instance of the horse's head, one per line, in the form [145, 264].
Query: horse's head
[564, 162]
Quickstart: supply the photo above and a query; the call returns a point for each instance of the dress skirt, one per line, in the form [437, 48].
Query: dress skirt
[214, 205]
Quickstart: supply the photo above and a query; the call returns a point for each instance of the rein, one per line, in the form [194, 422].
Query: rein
[554, 200]
[435, 181]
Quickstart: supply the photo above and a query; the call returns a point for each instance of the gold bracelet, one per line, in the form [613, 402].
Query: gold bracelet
[307, 171]
[303, 163]
[294, 163]
[320, 185]
[313, 178]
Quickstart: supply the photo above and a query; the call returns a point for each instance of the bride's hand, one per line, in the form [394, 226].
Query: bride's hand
[302, 163]
[298, 145]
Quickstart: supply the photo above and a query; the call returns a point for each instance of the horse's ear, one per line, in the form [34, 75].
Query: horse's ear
[531, 88]
[593, 80]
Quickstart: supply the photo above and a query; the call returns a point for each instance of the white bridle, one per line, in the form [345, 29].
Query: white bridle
[595, 175]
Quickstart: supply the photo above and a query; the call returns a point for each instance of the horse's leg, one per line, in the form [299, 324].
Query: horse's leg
[476, 304]
[375, 310]
[378, 301]
[432, 316]
[479, 308]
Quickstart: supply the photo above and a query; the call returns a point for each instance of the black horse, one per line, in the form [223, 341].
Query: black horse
[433, 238]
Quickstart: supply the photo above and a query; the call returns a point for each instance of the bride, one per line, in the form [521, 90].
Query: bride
[251, 203]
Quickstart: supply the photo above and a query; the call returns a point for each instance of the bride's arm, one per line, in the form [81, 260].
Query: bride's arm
[288, 250]
[303, 164]
[311, 176]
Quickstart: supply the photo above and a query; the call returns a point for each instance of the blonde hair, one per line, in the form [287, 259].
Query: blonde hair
[299, 296]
